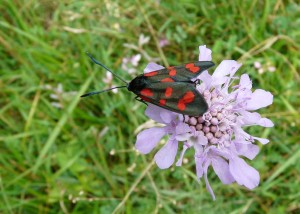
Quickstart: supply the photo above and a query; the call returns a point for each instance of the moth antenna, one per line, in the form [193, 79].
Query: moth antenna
[99, 92]
[106, 68]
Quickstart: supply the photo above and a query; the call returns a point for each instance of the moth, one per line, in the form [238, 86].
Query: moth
[170, 88]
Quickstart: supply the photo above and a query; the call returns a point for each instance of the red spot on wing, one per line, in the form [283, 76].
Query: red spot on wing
[146, 92]
[145, 98]
[168, 92]
[188, 97]
[150, 74]
[189, 65]
[170, 67]
[172, 72]
[162, 102]
[168, 79]
[192, 67]
[181, 105]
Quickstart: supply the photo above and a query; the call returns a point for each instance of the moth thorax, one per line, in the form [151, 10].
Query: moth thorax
[137, 84]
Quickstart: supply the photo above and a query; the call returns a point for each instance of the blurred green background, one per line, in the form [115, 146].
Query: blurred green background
[63, 154]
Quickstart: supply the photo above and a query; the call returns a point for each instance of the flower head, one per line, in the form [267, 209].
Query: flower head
[217, 136]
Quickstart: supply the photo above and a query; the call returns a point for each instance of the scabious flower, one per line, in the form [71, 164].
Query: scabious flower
[217, 137]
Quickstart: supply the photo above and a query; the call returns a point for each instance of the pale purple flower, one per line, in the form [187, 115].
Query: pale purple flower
[108, 80]
[261, 69]
[143, 40]
[271, 68]
[217, 137]
[58, 95]
[163, 42]
[257, 65]
[129, 64]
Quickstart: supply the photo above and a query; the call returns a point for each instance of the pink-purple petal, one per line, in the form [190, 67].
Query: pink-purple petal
[265, 122]
[262, 140]
[204, 53]
[250, 118]
[243, 173]
[221, 168]
[259, 99]
[248, 150]
[205, 77]
[167, 116]
[199, 165]
[152, 67]
[153, 112]
[183, 137]
[182, 128]
[208, 187]
[225, 68]
[179, 162]
[253, 118]
[245, 81]
[165, 157]
[148, 139]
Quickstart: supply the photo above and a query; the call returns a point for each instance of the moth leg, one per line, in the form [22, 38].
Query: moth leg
[141, 100]
[196, 82]
[183, 118]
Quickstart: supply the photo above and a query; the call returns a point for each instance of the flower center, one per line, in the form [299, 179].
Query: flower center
[215, 124]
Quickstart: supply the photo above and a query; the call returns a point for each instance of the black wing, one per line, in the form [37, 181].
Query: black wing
[180, 97]
[181, 73]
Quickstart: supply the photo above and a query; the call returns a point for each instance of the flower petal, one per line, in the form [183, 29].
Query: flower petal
[245, 82]
[253, 118]
[152, 67]
[153, 112]
[243, 173]
[248, 150]
[205, 77]
[148, 139]
[179, 162]
[226, 67]
[221, 168]
[165, 157]
[205, 53]
[199, 167]
[265, 122]
[259, 99]
[261, 140]
[208, 187]
[183, 137]
[182, 128]
[166, 115]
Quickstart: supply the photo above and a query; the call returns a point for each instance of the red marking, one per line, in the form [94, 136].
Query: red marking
[170, 68]
[150, 74]
[162, 102]
[188, 97]
[181, 105]
[172, 72]
[145, 98]
[167, 80]
[168, 92]
[189, 65]
[194, 69]
[146, 92]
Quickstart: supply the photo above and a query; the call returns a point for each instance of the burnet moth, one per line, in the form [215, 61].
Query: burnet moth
[170, 88]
